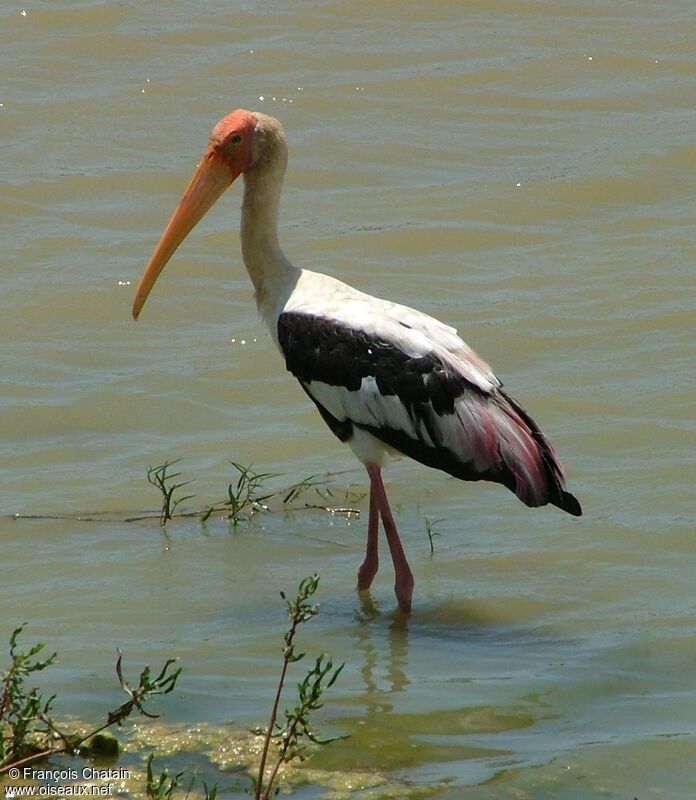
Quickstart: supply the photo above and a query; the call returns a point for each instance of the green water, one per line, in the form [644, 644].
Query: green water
[523, 171]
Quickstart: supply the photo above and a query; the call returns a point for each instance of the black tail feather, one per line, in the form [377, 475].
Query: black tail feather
[568, 502]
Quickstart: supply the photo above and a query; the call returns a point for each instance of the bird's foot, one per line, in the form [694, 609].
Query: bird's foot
[366, 574]
[403, 589]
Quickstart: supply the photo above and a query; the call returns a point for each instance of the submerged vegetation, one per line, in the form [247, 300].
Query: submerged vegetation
[243, 494]
[430, 528]
[163, 787]
[162, 479]
[257, 761]
[158, 757]
[248, 494]
[28, 730]
[29, 733]
[290, 736]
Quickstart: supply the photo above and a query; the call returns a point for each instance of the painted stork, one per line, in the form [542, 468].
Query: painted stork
[385, 378]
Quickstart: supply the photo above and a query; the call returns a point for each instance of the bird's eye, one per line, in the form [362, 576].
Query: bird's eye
[235, 139]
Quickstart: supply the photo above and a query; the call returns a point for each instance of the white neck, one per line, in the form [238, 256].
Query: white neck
[269, 270]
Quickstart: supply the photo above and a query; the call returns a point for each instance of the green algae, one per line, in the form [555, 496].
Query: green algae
[232, 753]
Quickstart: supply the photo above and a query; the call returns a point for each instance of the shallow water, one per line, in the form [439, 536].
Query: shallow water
[524, 172]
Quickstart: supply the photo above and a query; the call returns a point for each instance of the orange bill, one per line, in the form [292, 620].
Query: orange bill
[209, 181]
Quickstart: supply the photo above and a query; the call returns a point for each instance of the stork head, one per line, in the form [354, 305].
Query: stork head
[232, 150]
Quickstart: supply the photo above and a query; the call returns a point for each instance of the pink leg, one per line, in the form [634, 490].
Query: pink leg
[403, 584]
[368, 569]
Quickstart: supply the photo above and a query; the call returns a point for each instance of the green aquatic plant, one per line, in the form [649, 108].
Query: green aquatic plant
[244, 494]
[163, 787]
[248, 494]
[28, 731]
[320, 677]
[147, 687]
[292, 493]
[24, 714]
[430, 529]
[161, 478]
